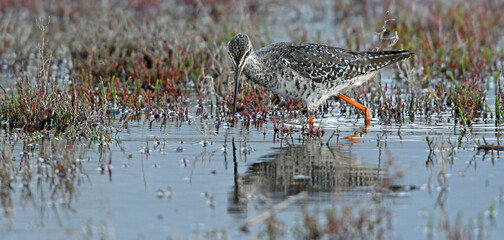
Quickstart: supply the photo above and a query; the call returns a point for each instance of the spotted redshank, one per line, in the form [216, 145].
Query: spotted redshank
[308, 71]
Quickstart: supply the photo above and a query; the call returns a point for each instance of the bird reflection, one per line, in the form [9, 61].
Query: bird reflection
[308, 167]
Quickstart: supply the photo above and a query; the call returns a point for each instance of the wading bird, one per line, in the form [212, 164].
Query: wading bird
[307, 71]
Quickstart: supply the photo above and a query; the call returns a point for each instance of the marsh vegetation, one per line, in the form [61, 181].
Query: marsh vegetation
[115, 123]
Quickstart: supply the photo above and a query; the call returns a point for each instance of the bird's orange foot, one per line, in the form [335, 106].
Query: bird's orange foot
[361, 107]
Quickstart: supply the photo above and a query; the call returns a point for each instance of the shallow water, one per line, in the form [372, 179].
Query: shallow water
[185, 187]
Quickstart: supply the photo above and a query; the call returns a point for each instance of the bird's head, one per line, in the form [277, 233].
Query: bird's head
[239, 49]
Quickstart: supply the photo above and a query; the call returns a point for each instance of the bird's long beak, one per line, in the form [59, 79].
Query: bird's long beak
[237, 78]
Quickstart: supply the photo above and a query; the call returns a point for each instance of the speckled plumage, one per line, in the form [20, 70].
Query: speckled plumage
[307, 71]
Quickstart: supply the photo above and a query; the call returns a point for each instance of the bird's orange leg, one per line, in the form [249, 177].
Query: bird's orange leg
[310, 120]
[361, 107]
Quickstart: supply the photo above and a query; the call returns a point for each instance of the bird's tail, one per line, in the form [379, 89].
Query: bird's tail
[380, 59]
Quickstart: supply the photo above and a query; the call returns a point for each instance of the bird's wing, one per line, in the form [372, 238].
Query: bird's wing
[324, 63]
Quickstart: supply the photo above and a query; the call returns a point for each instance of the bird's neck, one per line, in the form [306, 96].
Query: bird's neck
[256, 71]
